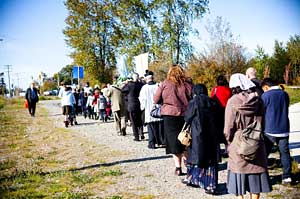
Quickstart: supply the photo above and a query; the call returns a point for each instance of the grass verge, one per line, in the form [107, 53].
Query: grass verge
[41, 161]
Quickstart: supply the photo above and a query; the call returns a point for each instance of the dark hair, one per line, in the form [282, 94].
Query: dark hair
[236, 90]
[68, 88]
[222, 81]
[199, 89]
[267, 82]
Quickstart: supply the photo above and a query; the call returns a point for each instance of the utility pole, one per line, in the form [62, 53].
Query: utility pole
[8, 68]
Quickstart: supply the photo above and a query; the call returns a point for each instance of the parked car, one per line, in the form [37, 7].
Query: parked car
[51, 92]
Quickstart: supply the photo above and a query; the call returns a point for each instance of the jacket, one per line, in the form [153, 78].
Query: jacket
[201, 115]
[68, 99]
[276, 102]
[29, 94]
[132, 90]
[117, 98]
[250, 107]
[223, 93]
[146, 100]
[174, 99]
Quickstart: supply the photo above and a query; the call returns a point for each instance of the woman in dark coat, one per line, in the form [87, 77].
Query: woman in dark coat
[202, 153]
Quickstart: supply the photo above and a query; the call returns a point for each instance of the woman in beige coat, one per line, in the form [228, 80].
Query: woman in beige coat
[242, 109]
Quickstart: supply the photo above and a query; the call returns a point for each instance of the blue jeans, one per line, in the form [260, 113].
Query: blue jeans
[283, 145]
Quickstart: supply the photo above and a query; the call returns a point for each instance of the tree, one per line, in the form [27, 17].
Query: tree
[223, 55]
[261, 60]
[90, 31]
[65, 75]
[293, 51]
[99, 31]
[224, 48]
[278, 62]
[172, 24]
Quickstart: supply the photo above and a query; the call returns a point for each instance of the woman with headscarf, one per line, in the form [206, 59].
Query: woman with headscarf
[202, 153]
[174, 94]
[244, 108]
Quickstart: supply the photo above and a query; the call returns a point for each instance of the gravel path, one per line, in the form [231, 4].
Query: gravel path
[147, 171]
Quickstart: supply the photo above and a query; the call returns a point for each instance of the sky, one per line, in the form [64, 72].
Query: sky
[32, 40]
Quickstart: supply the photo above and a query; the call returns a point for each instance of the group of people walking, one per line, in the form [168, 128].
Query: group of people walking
[221, 118]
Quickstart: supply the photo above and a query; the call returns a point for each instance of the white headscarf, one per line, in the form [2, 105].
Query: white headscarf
[239, 79]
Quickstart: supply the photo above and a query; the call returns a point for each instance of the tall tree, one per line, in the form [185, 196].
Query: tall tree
[278, 62]
[293, 51]
[173, 19]
[261, 62]
[224, 48]
[91, 31]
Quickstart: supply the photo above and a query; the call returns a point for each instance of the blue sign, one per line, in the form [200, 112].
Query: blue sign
[78, 71]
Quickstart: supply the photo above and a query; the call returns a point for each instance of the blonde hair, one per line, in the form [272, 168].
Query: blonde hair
[176, 74]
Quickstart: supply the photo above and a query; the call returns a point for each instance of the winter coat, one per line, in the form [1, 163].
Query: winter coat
[146, 100]
[174, 99]
[250, 107]
[201, 115]
[132, 90]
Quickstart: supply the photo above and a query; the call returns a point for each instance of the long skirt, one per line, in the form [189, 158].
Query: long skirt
[172, 127]
[239, 183]
[205, 178]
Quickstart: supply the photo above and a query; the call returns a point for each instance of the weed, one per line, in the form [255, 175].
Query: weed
[115, 197]
[81, 179]
[13, 145]
[7, 164]
[295, 168]
[112, 173]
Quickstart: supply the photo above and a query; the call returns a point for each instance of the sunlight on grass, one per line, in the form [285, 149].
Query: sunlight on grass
[38, 145]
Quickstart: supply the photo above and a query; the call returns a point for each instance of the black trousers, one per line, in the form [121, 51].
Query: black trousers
[156, 133]
[136, 122]
[31, 108]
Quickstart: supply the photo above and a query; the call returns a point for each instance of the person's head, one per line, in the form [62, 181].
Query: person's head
[135, 77]
[199, 89]
[176, 74]
[267, 83]
[222, 81]
[87, 84]
[239, 82]
[62, 83]
[149, 76]
[251, 73]
[32, 84]
[68, 88]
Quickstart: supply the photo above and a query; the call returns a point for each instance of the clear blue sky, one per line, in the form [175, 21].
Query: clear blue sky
[33, 40]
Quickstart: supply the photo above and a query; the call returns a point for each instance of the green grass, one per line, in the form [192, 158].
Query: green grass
[7, 164]
[29, 172]
[294, 95]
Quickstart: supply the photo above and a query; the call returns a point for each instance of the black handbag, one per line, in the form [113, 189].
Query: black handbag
[155, 111]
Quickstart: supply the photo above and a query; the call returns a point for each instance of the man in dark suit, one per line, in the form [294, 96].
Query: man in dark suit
[132, 90]
[32, 98]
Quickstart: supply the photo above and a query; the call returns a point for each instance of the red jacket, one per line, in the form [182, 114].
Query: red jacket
[223, 93]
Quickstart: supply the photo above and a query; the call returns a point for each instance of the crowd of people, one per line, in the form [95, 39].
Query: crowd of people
[220, 118]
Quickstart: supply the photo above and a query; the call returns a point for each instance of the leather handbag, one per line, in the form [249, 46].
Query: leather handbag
[185, 136]
[155, 111]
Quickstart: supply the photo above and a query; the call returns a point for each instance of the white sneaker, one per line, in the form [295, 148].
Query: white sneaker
[287, 180]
